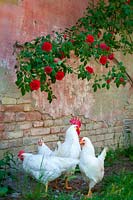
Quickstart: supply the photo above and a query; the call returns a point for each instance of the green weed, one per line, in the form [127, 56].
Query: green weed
[116, 187]
[6, 164]
[115, 155]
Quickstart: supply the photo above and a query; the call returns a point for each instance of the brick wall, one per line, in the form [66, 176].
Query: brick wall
[21, 126]
[106, 115]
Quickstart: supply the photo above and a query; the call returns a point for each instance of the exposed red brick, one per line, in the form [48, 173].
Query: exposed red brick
[31, 116]
[10, 126]
[1, 116]
[13, 134]
[104, 125]
[20, 116]
[55, 130]
[2, 108]
[4, 145]
[9, 116]
[48, 123]
[26, 132]
[14, 108]
[46, 116]
[1, 134]
[2, 126]
[38, 124]
[15, 143]
[24, 125]
[40, 131]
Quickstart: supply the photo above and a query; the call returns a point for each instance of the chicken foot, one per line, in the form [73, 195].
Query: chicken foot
[89, 195]
[91, 185]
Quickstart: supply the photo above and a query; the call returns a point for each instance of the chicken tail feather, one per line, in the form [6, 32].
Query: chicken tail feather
[103, 154]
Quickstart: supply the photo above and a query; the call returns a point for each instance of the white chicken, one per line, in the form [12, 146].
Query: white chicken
[70, 148]
[71, 139]
[43, 148]
[46, 168]
[91, 166]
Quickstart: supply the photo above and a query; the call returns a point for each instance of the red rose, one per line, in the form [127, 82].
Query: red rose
[90, 69]
[48, 69]
[111, 56]
[128, 2]
[107, 48]
[47, 46]
[103, 46]
[35, 84]
[72, 41]
[112, 32]
[59, 75]
[56, 60]
[121, 79]
[90, 38]
[99, 34]
[65, 36]
[103, 60]
[108, 81]
[62, 55]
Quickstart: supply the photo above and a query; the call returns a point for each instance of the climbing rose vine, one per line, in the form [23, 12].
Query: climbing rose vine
[104, 30]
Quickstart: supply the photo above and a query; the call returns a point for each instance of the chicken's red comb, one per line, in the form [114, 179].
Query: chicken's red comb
[75, 121]
[21, 152]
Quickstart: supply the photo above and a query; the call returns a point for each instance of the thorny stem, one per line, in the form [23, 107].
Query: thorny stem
[129, 77]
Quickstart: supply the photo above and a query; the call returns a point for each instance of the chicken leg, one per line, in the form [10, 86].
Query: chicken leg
[91, 185]
[67, 185]
[46, 187]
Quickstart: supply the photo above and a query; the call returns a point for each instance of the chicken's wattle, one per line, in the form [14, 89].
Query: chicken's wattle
[78, 130]
[20, 154]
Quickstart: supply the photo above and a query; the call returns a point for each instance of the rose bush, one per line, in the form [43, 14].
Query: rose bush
[104, 30]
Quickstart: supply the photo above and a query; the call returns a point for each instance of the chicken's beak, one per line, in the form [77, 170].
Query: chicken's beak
[81, 141]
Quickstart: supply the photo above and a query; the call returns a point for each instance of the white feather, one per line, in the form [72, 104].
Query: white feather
[70, 147]
[47, 168]
[90, 165]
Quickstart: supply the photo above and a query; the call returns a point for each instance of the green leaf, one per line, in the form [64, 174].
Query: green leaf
[99, 86]
[23, 91]
[43, 77]
[103, 85]
[95, 89]
[85, 62]
[107, 86]
[27, 88]
[3, 191]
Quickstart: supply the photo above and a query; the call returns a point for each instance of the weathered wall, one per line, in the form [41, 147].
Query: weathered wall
[23, 120]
